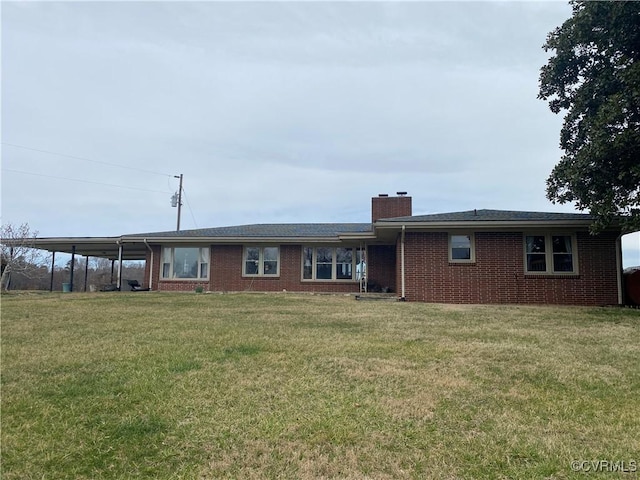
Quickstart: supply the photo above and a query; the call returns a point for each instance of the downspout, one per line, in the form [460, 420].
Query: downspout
[150, 266]
[402, 282]
[619, 271]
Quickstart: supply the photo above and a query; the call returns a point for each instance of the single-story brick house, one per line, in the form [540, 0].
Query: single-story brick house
[477, 256]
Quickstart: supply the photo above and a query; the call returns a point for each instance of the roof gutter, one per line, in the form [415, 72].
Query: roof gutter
[246, 240]
[502, 225]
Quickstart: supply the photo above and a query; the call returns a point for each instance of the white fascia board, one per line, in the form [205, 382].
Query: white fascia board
[78, 240]
[232, 240]
[357, 236]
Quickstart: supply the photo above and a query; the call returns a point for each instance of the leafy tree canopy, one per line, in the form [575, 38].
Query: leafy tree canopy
[595, 77]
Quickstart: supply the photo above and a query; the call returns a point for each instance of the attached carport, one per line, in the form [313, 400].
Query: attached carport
[112, 248]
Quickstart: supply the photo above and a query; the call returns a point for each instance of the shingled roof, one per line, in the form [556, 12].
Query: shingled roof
[268, 230]
[492, 216]
[334, 230]
[137, 246]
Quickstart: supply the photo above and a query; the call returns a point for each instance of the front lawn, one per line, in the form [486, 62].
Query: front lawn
[162, 385]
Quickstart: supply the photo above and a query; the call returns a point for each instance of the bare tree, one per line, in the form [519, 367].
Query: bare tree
[17, 253]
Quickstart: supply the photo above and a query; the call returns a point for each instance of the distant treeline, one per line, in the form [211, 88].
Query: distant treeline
[96, 276]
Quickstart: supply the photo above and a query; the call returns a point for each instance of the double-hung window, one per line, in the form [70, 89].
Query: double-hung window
[461, 248]
[331, 263]
[261, 261]
[188, 263]
[344, 263]
[550, 254]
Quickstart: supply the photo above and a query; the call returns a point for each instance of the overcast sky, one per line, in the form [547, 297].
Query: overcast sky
[274, 112]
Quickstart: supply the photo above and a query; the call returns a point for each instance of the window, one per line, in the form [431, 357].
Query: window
[461, 248]
[550, 254]
[562, 253]
[324, 263]
[536, 253]
[261, 261]
[270, 260]
[344, 263]
[251, 261]
[307, 263]
[330, 263]
[185, 263]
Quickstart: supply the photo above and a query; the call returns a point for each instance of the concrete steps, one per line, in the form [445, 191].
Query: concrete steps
[385, 297]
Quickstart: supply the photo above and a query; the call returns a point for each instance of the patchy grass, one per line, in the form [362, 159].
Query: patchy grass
[149, 385]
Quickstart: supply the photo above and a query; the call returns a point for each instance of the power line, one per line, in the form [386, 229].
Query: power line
[83, 181]
[128, 167]
[188, 205]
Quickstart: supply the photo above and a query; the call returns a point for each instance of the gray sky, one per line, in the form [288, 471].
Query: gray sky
[274, 112]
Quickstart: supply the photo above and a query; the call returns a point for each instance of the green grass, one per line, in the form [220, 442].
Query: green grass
[160, 385]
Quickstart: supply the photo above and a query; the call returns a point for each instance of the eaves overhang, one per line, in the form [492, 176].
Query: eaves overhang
[167, 240]
[483, 225]
[368, 236]
[241, 240]
[496, 220]
[292, 233]
[136, 247]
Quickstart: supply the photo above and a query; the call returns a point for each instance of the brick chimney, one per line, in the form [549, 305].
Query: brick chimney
[384, 206]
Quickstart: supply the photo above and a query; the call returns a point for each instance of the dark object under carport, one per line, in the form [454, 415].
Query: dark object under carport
[111, 287]
[136, 287]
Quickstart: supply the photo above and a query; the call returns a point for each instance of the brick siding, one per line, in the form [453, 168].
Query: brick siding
[381, 266]
[390, 207]
[498, 276]
[225, 274]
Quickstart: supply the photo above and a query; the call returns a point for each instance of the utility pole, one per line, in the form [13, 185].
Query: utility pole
[176, 200]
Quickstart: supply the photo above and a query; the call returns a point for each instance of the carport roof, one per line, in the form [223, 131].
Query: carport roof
[103, 247]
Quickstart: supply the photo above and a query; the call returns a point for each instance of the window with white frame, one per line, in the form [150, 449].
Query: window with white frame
[261, 261]
[462, 248]
[185, 263]
[344, 263]
[331, 263]
[550, 254]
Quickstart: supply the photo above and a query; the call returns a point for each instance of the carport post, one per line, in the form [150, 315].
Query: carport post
[53, 267]
[73, 261]
[86, 272]
[119, 266]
